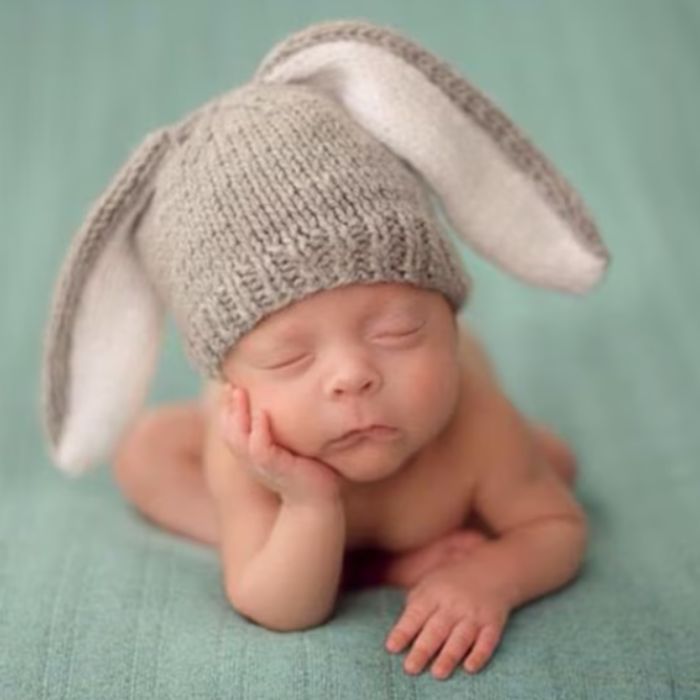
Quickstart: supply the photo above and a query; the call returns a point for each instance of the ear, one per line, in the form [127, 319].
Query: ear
[498, 191]
[105, 324]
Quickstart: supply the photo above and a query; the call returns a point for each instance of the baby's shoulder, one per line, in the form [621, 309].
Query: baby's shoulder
[478, 373]
[484, 419]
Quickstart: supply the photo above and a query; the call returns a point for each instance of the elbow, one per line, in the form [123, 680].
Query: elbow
[577, 536]
[581, 529]
[245, 605]
[291, 624]
[584, 538]
[239, 605]
[573, 524]
[278, 619]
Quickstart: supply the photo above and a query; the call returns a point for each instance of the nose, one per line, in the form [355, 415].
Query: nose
[351, 379]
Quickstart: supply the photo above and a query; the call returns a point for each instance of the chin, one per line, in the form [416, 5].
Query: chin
[367, 463]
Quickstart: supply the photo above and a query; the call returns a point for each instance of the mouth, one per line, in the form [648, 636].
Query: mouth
[374, 432]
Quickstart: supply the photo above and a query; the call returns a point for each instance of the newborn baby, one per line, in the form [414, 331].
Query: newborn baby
[362, 439]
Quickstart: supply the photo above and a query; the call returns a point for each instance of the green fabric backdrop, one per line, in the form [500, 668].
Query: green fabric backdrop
[97, 603]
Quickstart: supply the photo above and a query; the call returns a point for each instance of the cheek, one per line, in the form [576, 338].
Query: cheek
[291, 425]
[418, 395]
[431, 382]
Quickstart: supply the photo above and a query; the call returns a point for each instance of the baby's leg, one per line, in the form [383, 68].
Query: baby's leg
[158, 467]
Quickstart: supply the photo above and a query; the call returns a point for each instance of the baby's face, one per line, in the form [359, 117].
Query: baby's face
[338, 360]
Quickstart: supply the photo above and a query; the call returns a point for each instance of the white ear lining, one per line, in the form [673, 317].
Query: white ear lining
[115, 346]
[492, 205]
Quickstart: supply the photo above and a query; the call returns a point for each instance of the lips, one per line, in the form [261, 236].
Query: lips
[373, 431]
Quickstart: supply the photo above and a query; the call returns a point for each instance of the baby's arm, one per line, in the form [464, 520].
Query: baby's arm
[540, 529]
[282, 561]
[539, 543]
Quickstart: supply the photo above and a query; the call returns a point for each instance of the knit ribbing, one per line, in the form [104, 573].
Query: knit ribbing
[277, 194]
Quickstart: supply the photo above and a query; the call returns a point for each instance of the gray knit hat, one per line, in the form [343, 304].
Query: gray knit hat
[319, 172]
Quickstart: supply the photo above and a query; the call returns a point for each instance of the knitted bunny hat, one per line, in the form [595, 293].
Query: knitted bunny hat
[315, 174]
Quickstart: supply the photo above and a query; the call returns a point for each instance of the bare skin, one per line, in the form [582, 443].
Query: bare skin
[172, 492]
[411, 504]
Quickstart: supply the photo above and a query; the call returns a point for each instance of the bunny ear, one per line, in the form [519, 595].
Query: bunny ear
[106, 322]
[500, 193]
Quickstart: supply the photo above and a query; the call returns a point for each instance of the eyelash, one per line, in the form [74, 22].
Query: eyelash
[405, 334]
[400, 335]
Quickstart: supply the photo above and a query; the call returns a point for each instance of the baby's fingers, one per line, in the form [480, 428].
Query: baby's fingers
[485, 644]
[461, 638]
[235, 421]
[430, 639]
[407, 626]
[262, 448]
[241, 407]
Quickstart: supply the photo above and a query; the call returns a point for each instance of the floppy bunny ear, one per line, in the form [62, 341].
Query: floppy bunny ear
[500, 193]
[106, 322]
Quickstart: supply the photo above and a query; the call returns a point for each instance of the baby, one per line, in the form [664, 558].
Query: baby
[362, 438]
[352, 431]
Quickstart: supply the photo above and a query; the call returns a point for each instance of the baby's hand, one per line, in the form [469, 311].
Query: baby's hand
[449, 606]
[295, 478]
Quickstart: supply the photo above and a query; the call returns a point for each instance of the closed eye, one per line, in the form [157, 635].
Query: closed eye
[396, 335]
[287, 363]
[401, 334]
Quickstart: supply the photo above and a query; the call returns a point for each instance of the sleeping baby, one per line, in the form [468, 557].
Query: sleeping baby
[365, 418]
[351, 431]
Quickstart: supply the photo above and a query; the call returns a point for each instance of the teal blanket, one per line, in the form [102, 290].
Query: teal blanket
[95, 602]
